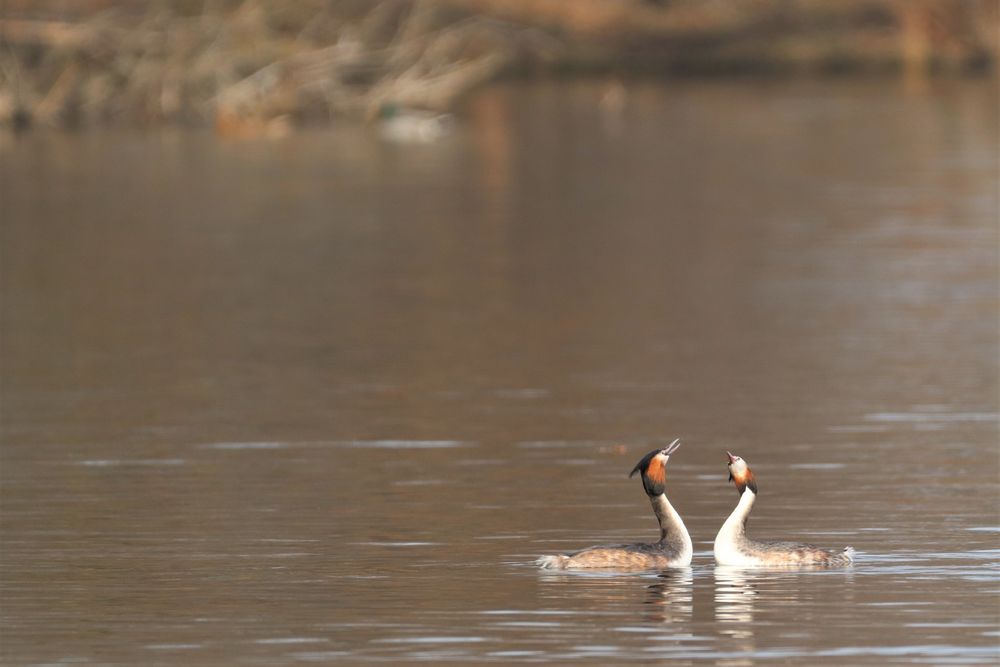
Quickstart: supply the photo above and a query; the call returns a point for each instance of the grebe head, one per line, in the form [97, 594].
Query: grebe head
[740, 474]
[653, 468]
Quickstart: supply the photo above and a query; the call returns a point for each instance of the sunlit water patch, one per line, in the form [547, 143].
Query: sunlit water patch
[246, 445]
[924, 417]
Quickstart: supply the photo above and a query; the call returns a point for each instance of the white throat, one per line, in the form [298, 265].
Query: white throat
[672, 528]
[732, 535]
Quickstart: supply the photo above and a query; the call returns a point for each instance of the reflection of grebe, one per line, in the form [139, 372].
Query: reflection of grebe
[733, 547]
[734, 603]
[674, 547]
[671, 598]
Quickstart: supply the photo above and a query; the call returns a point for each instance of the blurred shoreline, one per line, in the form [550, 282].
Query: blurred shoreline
[262, 66]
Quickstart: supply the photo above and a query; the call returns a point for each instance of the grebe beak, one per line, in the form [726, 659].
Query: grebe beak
[671, 448]
[732, 459]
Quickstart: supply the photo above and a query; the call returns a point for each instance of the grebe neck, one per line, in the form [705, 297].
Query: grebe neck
[673, 532]
[736, 525]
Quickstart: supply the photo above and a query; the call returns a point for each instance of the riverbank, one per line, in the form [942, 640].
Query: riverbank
[263, 66]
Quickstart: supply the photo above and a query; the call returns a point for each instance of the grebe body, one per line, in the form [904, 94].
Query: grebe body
[674, 547]
[733, 547]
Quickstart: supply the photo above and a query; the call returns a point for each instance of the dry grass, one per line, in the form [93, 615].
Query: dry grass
[263, 65]
[256, 63]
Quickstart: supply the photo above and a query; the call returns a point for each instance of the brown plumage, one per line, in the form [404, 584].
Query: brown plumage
[614, 556]
[657, 471]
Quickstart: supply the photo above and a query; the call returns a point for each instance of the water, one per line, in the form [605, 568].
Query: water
[324, 399]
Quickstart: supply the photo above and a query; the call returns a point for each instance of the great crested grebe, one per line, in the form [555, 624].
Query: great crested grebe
[672, 550]
[733, 547]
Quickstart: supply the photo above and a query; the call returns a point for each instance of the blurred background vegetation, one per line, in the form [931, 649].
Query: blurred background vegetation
[259, 65]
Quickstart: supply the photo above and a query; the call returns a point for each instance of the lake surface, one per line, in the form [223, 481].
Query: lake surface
[325, 398]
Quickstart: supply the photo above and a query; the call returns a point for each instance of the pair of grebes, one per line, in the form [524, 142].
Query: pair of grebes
[732, 546]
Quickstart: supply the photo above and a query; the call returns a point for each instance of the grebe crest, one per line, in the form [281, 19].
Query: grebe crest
[733, 547]
[674, 548]
[653, 469]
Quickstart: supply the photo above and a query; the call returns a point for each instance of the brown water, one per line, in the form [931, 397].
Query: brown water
[324, 399]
